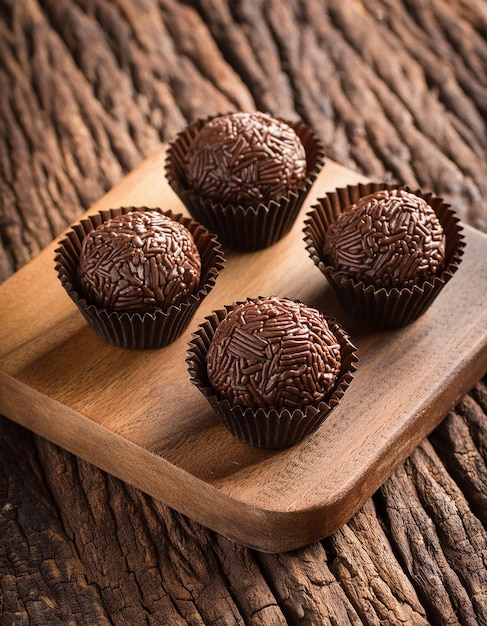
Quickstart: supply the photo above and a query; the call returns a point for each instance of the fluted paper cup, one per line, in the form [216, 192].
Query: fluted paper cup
[134, 330]
[380, 307]
[243, 228]
[266, 428]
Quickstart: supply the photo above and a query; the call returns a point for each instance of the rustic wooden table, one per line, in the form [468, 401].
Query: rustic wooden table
[89, 89]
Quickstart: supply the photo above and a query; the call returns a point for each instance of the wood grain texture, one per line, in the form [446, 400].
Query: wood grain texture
[135, 413]
[88, 90]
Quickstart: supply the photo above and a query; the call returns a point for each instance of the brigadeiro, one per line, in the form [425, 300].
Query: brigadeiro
[272, 368]
[244, 175]
[139, 261]
[387, 251]
[138, 274]
[245, 158]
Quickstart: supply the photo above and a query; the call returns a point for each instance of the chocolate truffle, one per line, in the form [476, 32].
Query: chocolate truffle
[140, 261]
[273, 353]
[390, 238]
[245, 158]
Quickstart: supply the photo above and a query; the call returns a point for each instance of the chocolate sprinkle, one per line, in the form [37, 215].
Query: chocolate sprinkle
[390, 238]
[140, 261]
[273, 352]
[245, 158]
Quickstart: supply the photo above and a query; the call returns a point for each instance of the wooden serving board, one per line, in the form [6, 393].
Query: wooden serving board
[136, 415]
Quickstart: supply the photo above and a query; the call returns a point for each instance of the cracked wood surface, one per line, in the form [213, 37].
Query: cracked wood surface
[88, 89]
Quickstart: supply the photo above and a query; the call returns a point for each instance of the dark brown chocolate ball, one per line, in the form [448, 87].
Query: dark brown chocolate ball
[390, 238]
[273, 353]
[245, 158]
[140, 261]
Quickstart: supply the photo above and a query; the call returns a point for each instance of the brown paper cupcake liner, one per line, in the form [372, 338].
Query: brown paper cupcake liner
[381, 308]
[137, 330]
[243, 228]
[266, 428]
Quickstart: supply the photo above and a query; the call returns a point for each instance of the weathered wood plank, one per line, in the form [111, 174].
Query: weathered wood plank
[88, 90]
